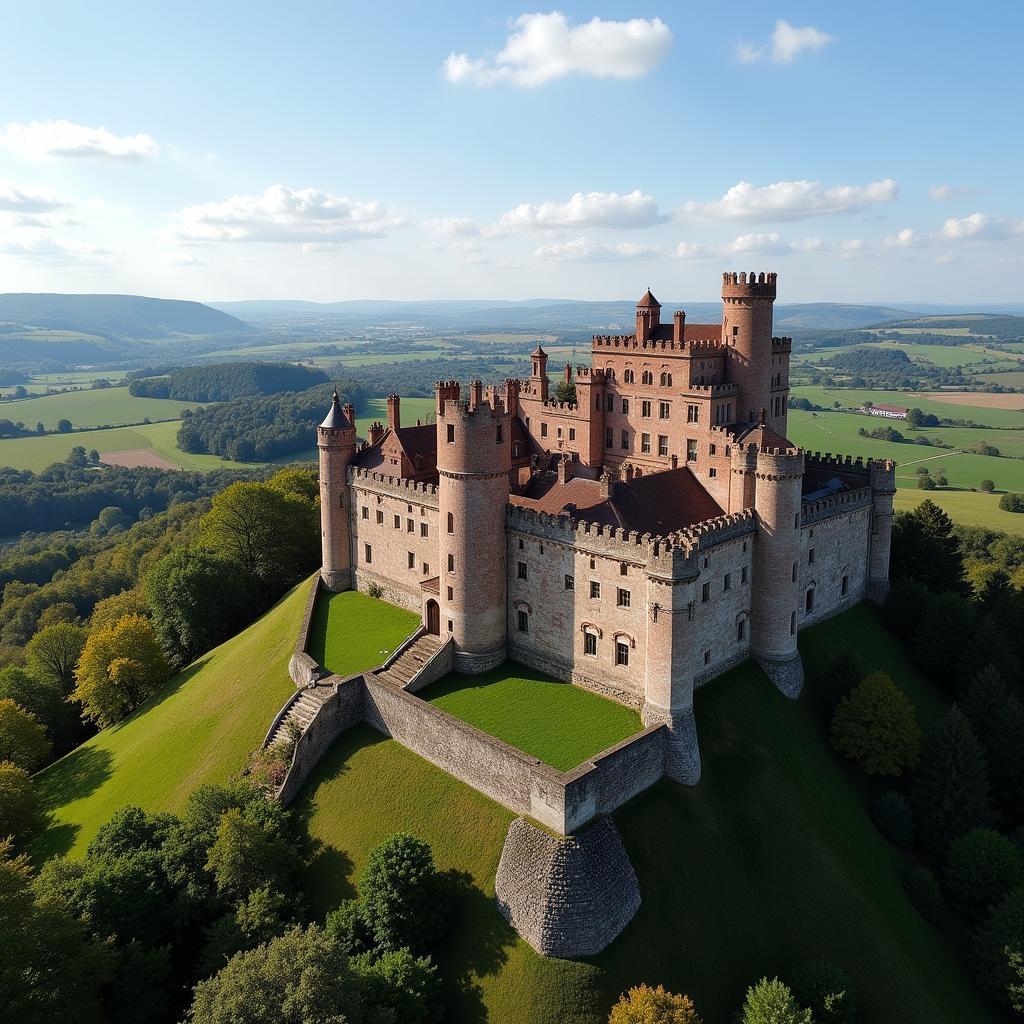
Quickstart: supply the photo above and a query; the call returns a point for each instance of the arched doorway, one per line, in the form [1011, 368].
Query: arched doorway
[433, 617]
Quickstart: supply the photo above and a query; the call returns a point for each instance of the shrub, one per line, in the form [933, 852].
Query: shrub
[875, 726]
[22, 739]
[892, 814]
[401, 894]
[347, 925]
[1011, 502]
[771, 1002]
[988, 485]
[826, 990]
[643, 1004]
[399, 986]
[374, 591]
[922, 889]
[245, 856]
[1003, 930]
[982, 866]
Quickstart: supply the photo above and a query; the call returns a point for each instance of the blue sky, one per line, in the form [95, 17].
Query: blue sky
[868, 152]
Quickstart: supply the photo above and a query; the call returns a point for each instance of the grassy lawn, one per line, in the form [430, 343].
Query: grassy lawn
[39, 452]
[96, 408]
[770, 860]
[563, 725]
[411, 410]
[199, 729]
[351, 631]
[972, 508]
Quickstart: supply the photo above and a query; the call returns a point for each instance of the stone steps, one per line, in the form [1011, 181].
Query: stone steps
[301, 712]
[411, 660]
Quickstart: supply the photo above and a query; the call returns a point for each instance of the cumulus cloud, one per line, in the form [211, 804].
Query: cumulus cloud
[585, 250]
[787, 42]
[282, 214]
[543, 47]
[15, 199]
[854, 248]
[50, 249]
[753, 244]
[586, 210]
[66, 139]
[907, 238]
[942, 192]
[452, 226]
[979, 227]
[790, 200]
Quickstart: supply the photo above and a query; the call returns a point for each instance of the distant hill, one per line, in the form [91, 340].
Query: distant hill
[994, 325]
[114, 316]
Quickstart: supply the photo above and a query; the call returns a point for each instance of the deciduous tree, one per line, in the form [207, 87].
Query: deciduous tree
[643, 1004]
[876, 726]
[22, 738]
[54, 651]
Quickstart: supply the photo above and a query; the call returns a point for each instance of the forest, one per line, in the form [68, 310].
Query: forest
[222, 382]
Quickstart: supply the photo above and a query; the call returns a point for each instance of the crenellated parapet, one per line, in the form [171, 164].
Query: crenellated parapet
[840, 504]
[752, 285]
[782, 345]
[711, 390]
[719, 530]
[882, 473]
[382, 483]
[846, 464]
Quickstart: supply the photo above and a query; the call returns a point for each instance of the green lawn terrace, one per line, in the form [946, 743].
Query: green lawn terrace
[558, 723]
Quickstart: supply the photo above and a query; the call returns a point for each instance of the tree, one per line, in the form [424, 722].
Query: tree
[111, 610]
[771, 1002]
[399, 986]
[44, 700]
[401, 894]
[944, 632]
[245, 857]
[1011, 502]
[64, 426]
[185, 591]
[950, 790]
[1002, 930]
[298, 977]
[905, 605]
[49, 971]
[895, 820]
[565, 392]
[260, 917]
[923, 891]
[303, 483]
[826, 990]
[925, 548]
[54, 651]
[840, 678]
[22, 739]
[982, 866]
[875, 725]
[988, 485]
[119, 670]
[20, 813]
[1015, 959]
[986, 645]
[645, 1005]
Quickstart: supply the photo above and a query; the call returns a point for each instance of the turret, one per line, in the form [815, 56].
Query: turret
[747, 302]
[539, 373]
[474, 466]
[678, 327]
[742, 476]
[648, 316]
[776, 603]
[336, 443]
[883, 487]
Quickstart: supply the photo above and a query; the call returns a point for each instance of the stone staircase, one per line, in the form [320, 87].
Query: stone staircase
[411, 660]
[302, 711]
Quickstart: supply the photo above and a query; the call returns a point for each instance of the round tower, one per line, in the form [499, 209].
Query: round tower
[474, 464]
[336, 442]
[747, 301]
[883, 487]
[776, 598]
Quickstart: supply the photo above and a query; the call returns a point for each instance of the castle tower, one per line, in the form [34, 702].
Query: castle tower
[883, 487]
[776, 598]
[742, 476]
[648, 316]
[336, 442]
[747, 302]
[539, 373]
[474, 464]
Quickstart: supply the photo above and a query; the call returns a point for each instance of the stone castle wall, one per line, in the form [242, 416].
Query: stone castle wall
[840, 545]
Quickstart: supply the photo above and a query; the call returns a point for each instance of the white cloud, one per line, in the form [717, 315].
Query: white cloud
[14, 199]
[188, 261]
[807, 245]
[854, 248]
[752, 243]
[452, 226]
[543, 47]
[66, 139]
[979, 227]
[585, 250]
[789, 200]
[788, 41]
[907, 238]
[282, 214]
[942, 192]
[583, 210]
[50, 249]
[945, 257]
[763, 244]
[695, 251]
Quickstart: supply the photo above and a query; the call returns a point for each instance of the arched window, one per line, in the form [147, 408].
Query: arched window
[647, 378]
[629, 377]
[609, 373]
[451, 523]
[666, 380]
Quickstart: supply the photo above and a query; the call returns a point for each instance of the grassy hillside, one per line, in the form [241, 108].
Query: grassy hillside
[972, 508]
[95, 408]
[771, 859]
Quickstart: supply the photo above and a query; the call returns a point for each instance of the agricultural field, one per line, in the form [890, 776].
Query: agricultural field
[411, 410]
[95, 407]
[1013, 379]
[971, 508]
[938, 355]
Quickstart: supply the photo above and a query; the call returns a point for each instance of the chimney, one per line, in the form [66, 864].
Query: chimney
[568, 373]
[394, 412]
[607, 482]
[376, 432]
[565, 469]
[678, 326]
[512, 396]
[349, 410]
[476, 394]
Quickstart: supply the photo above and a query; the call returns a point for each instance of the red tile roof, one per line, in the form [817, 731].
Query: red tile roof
[648, 301]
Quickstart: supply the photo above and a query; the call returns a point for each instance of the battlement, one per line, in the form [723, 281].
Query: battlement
[710, 532]
[554, 403]
[780, 463]
[882, 473]
[847, 463]
[752, 285]
[782, 344]
[408, 490]
[473, 412]
[835, 505]
[711, 390]
[589, 375]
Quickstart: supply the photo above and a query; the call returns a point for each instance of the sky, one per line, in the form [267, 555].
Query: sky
[868, 152]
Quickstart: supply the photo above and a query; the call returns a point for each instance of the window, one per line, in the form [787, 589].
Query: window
[450, 626]
[691, 451]
[570, 582]
[692, 412]
[412, 560]
[666, 380]
[572, 433]
[609, 437]
[625, 440]
[366, 512]
[424, 530]
[410, 526]
[809, 601]
[645, 444]
[524, 621]
[367, 553]
[543, 430]
[794, 572]
[451, 433]
[792, 624]
[743, 574]
[741, 630]
[517, 449]
[450, 593]
[712, 472]
[595, 589]
[727, 581]
[629, 378]
[498, 438]
[845, 585]
[707, 657]
[663, 410]
[647, 377]
[398, 522]
[590, 644]
[705, 593]
[380, 517]
[593, 562]
[796, 521]
[521, 570]
[810, 557]
[623, 568]
[621, 653]
[645, 408]
[625, 407]
[609, 403]
[426, 569]
[735, 332]
[622, 599]
[662, 444]
[451, 563]
[712, 450]
[558, 432]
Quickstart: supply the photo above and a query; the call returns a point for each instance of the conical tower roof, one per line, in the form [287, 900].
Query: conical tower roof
[648, 301]
[336, 418]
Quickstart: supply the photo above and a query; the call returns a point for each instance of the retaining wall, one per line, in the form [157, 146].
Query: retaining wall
[302, 668]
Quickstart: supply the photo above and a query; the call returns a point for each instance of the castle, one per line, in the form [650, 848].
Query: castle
[638, 541]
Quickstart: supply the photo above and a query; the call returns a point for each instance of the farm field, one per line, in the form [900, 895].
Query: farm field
[112, 407]
[971, 508]
[410, 410]
[1013, 379]
[937, 355]
[777, 823]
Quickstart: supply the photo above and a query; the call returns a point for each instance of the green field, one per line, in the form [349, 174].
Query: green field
[98, 407]
[937, 355]
[972, 508]
[351, 632]
[772, 858]
[533, 712]
[1013, 379]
